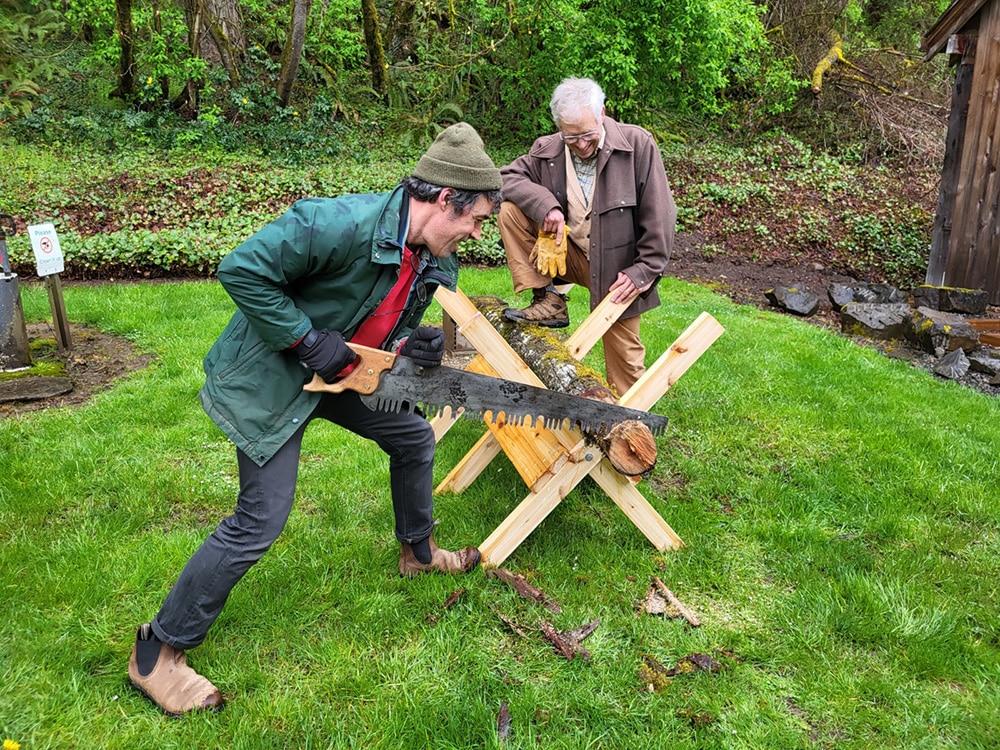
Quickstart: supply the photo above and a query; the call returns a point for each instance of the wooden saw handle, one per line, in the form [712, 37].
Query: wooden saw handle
[368, 368]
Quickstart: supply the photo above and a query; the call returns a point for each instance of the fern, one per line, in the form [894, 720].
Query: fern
[21, 68]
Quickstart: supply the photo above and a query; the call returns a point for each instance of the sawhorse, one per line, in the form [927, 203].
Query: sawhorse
[553, 461]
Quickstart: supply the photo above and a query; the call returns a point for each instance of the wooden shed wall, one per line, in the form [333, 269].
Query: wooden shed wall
[973, 259]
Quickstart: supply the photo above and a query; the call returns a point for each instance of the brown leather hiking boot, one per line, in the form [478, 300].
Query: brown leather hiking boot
[442, 560]
[161, 673]
[546, 309]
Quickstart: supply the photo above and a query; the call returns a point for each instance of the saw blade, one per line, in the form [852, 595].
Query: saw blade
[471, 395]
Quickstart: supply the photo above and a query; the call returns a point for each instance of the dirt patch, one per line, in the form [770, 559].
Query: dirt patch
[746, 282]
[95, 361]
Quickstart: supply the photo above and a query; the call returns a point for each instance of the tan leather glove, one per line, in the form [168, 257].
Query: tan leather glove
[548, 257]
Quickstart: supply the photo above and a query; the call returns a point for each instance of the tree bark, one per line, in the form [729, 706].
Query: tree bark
[399, 32]
[373, 42]
[158, 27]
[629, 446]
[125, 32]
[225, 43]
[187, 101]
[835, 53]
[291, 55]
[215, 33]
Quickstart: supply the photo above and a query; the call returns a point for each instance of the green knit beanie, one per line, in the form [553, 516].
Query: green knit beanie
[457, 159]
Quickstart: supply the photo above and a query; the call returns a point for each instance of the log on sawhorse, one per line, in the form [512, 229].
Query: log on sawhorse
[552, 462]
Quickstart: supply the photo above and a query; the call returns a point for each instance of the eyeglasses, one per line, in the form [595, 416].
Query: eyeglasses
[581, 137]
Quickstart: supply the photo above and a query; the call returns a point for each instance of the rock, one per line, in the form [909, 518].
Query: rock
[933, 328]
[951, 299]
[891, 293]
[953, 365]
[793, 299]
[883, 294]
[840, 295]
[875, 321]
[988, 364]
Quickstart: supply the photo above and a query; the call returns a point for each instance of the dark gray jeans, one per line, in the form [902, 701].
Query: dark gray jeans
[265, 501]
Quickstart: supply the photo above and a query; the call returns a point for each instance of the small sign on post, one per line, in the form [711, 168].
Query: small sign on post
[49, 263]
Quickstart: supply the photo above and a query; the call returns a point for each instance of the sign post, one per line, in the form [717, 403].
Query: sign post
[49, 262]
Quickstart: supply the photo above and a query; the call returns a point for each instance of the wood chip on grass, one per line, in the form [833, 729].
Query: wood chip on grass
[503, 722]
[525, 589]
[662, 601]
[567, 643]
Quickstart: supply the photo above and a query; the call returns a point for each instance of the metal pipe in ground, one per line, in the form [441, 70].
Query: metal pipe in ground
[14, 352]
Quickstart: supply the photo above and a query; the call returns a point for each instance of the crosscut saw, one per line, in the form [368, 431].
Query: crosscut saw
[392, 383]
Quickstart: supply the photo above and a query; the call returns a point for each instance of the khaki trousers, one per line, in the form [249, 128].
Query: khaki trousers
[624, 354]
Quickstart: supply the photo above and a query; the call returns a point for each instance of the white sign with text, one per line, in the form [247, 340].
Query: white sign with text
[45, 243]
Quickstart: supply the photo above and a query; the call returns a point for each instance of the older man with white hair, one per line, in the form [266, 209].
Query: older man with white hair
[589, 204]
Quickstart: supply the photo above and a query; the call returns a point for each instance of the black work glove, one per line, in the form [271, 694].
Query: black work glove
[325, 352]
[425, 346]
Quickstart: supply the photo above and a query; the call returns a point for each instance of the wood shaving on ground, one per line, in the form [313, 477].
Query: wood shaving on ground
[567, 643]
[503, 722]
[675, 603]
[525, 589]
[518, 629]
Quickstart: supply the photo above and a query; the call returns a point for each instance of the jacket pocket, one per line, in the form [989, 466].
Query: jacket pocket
[618, 227]
[241, 358]
[250, 385]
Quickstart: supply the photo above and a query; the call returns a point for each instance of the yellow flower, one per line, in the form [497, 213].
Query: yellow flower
[148, 81]
[244, 100]
[295, 112]
[11, 745]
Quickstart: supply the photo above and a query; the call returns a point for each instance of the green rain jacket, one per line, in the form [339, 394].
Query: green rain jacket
[326, 263]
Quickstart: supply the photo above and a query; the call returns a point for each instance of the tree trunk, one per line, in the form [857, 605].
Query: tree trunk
[629, 446]
[158, 27]
[125, 32]
[373, 41]
[291, 55]
[187, 100]
[225, 43]
[215, 34]
[399, 33]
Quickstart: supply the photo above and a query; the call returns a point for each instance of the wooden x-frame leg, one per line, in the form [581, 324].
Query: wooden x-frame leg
[553, 461]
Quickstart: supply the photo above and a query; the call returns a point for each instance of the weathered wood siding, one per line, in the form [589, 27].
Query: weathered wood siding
[974, 249]
[950, 174]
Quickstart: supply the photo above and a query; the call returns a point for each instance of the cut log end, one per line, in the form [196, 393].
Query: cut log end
[631, 448]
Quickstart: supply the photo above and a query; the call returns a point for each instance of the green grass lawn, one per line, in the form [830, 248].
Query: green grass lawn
[840, 511]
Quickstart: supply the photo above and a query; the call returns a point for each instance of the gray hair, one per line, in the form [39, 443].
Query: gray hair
[573, 97]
